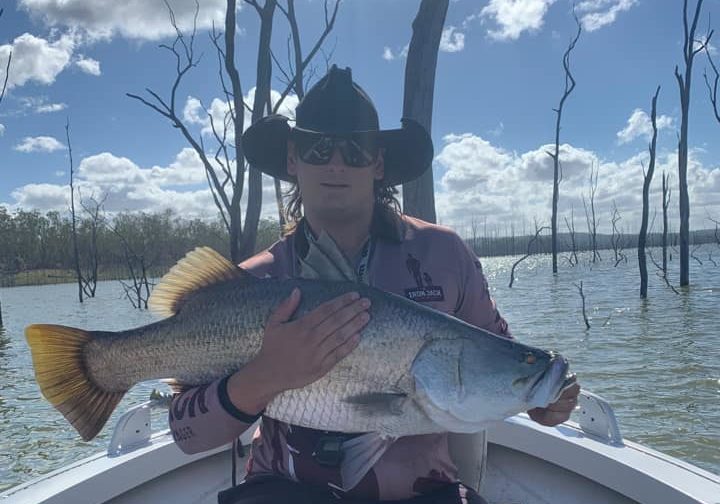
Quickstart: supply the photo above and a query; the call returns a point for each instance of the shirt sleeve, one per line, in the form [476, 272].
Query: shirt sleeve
[202, 418]
[475, 305]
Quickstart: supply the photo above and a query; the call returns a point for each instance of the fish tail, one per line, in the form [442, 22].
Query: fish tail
[60, 371]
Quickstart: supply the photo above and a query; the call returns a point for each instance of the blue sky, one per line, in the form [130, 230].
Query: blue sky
[499, 77]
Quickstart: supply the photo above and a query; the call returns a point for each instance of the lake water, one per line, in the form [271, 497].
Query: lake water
[656, 361]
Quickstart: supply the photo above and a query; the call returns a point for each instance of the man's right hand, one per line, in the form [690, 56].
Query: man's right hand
[299, 352]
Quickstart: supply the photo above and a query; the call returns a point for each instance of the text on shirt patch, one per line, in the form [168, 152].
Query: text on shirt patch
[425, 290]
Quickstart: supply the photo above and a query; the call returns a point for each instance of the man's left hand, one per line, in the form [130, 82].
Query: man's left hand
[559, 411]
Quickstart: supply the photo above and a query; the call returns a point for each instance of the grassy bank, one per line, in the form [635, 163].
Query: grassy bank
[60, 276]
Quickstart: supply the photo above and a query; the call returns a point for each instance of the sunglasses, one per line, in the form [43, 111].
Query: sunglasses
[358, 150]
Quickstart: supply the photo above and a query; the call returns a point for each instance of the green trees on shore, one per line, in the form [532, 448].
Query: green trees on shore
[30, 240]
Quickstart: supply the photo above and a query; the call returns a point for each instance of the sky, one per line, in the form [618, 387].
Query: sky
[499, 79]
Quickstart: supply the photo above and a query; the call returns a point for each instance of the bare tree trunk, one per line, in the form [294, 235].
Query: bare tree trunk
[557, 170]
[582, 297]
[76, 254]
[7, 70]
[419, 195]
[642, 237]
[2, 95]
[590, 215]
[573, 258]
[665, 205]
[262, 100]
[684, 84]
[616, 240]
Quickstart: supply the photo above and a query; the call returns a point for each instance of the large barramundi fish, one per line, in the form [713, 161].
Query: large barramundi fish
[415, 370]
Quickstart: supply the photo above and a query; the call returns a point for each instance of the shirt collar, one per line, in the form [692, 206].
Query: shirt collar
[386, 225]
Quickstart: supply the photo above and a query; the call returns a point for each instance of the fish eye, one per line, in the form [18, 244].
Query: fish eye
[530, 358]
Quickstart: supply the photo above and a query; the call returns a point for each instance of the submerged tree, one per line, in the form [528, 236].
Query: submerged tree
[557, 168]
[647, 179]
[590, 217]
[226, 169]
[691, 47]
[419, 195]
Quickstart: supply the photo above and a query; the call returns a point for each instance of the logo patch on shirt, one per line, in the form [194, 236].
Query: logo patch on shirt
[424, 294]
[425, 290]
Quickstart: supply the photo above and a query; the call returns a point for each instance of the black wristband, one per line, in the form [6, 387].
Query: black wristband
[228, 405]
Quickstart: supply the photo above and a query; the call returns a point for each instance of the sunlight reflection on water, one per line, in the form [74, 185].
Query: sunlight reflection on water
[657, 360]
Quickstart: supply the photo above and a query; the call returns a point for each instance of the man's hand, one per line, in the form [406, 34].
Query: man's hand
[304, 350]
[298, 352]
[559, 411]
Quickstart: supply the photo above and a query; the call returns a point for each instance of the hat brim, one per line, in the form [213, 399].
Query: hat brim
[408, 151]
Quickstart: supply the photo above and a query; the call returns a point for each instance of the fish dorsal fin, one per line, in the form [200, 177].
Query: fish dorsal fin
[199, 268]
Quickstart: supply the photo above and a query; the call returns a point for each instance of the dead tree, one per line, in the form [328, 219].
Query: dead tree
[295, 73]
[665, 206]
[647, 179]
[138, 288]
[590, 217]
[528, 253]
[95, 220]
[2, 95]
[557, 169]
[616, 240]
[713, 89]
[717, 229]
[582, 297]
[76, 252]
[419, 87]
[7, 70]
[690, 49]
[572, 258]
[228, 191]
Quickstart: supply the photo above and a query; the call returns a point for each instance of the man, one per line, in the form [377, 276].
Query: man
[345, 225]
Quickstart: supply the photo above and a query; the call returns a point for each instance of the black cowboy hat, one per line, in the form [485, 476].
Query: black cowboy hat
[337, 105]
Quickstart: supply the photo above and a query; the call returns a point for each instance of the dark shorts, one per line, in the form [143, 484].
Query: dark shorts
[276, 489]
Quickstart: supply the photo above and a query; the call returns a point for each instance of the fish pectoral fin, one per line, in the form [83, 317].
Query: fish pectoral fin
[359, 456]
[379, 402]
[199, 268]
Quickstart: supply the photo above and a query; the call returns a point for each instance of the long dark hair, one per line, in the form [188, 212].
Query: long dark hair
[385, 196]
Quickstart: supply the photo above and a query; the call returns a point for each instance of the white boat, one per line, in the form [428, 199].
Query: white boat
[577, 462]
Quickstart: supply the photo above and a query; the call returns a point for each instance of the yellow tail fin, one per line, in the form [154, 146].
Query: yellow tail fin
[57, 353]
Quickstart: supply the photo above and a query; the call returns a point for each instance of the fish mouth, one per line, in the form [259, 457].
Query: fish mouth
[547, 385]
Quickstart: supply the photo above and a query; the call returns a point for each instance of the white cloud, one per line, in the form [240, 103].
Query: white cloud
[477, 180]
[639, 125]
[2, 129]
[194, 113]
[39, 144]
[50, 107]
[452, 40]
[88, 65]
[59, 173]
[42, 196]
[514, 17]
[599, 13]
[129, 187]
[36, 59]
[389, 55]
[133, 19]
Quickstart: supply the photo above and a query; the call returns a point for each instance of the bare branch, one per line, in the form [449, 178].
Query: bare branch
[538, 230]
[582, 297]
[713, 90]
